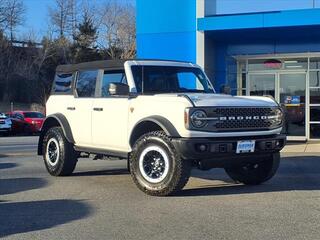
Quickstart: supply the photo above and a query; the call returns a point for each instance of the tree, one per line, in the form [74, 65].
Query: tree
[11, 15]
[84, 47]
[119, 30]
[15, 15]
[63, 17]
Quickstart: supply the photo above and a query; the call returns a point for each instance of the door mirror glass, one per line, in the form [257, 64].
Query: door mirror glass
[120, 89]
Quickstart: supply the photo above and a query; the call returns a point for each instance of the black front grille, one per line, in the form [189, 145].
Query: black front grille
[240, 118]
[2, 122]
[242, 111]
[244, 124]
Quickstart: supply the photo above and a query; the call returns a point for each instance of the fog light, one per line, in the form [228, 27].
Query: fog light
[202, 147]
[277, 143]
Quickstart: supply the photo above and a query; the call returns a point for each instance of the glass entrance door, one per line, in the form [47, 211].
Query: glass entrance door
[262, 84]
[289, 90]
[292, 98]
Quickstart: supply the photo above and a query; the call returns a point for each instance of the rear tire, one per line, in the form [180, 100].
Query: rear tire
[255, 173]
[59, 156]
[156, 167]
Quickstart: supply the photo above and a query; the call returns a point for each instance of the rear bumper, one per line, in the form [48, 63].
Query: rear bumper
[221, 152]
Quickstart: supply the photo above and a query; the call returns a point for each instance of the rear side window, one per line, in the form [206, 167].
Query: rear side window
[86, 83]
[111, 77]
[63, 83]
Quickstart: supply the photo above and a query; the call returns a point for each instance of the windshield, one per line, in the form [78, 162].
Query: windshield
[166, 79]
[33, 115]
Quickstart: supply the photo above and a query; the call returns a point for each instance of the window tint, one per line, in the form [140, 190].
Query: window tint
[111, 77]
[86, 83]
[62, 83]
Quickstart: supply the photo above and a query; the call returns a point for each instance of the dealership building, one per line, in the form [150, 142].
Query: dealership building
[265, 47]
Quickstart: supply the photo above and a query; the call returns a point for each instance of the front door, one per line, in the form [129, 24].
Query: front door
[289, 90]
[110, 115]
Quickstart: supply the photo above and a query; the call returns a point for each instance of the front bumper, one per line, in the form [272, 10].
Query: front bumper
[221, 152]
[5, 128]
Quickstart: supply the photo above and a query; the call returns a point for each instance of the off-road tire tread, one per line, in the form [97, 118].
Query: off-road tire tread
[183, 167]
[68, 156]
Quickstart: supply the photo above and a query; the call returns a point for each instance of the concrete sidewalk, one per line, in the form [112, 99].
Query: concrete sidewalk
[308, 147]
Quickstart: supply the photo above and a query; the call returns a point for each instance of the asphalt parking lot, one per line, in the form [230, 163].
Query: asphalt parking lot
[101, 202]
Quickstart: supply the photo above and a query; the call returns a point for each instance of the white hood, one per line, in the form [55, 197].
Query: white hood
[216, 100]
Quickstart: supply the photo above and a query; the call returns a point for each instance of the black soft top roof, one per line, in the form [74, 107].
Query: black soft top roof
[103, 64]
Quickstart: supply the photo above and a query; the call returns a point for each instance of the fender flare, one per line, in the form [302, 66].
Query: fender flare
[162, 122]
[51, 121]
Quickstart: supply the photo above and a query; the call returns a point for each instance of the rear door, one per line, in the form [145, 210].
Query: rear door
[110, 114]
[79, 108]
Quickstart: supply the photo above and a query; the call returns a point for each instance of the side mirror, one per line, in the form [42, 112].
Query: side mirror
[118, 89]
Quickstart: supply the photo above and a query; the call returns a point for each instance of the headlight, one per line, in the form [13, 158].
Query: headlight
[8, 121]
[197, 119]
[277, 118]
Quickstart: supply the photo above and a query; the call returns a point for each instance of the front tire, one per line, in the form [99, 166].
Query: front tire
[59, 156]
[156, 167]
[255, 173]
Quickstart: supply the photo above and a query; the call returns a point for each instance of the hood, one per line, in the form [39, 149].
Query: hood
[222, 100]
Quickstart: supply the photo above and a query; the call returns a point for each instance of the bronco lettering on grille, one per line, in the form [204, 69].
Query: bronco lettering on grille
[243, 118]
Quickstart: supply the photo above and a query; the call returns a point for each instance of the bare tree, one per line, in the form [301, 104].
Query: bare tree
[63, 17]
[11, 15]
[118, 29]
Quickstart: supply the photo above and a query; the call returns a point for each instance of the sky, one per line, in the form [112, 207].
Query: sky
[36, 17]
[37, 21]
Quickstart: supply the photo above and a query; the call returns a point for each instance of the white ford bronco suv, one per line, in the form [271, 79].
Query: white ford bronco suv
[164, 118]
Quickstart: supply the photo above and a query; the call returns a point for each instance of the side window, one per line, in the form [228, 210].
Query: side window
[62, 83]
[19, 116]
[86, 83]
[137, 75]
[111, 77]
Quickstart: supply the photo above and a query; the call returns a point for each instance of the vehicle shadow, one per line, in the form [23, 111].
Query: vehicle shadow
[103, 172]
[7, 165]
[22, 217]
[295, 174]
[14, 185]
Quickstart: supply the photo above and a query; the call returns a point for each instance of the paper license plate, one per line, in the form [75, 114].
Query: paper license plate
[245, 146]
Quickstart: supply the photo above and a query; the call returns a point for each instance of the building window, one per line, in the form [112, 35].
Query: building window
[242, 78]
[314, 131]
[295, 64]
[314, 63]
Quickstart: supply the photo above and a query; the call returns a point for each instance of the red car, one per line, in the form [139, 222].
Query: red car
[26, 121]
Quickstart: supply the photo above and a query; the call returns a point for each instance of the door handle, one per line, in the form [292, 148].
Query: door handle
[71, 108]
[98, 109]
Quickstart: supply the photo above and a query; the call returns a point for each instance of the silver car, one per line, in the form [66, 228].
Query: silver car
[5, 124]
